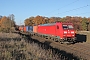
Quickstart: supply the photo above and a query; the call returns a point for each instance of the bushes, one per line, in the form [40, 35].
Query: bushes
[21, 50]
[7, 30]
[4, 30]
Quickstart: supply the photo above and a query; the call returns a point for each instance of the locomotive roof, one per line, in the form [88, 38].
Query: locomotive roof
[54, 23]
[48, 24]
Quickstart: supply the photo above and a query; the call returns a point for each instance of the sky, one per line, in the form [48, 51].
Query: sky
[23, 9]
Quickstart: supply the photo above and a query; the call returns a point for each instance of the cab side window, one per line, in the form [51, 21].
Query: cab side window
[57, 27]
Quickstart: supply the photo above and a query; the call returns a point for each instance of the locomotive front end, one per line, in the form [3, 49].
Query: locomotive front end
[68, 32]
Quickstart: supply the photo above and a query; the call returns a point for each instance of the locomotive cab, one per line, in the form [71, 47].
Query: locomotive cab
[66, 31]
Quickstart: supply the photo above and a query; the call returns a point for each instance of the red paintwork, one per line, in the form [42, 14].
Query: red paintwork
[24, 28]
[57, 30]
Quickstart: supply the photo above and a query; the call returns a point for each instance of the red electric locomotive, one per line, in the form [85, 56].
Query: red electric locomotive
[64, 31]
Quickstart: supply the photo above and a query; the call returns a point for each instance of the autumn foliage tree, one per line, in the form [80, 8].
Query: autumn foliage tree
[79, 22]
[34, 21]
[51, 20]
[29, 21]
[6, 24]
[39, 20]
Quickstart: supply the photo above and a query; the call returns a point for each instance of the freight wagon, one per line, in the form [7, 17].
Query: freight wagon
[20, 28]
[26, 28]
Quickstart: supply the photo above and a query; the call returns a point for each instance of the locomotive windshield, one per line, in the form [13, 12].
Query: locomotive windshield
[70, 26]
[67, 27]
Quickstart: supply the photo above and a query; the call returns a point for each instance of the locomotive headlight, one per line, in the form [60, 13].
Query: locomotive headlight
[72, 32]
[72, 35]
[65, 32]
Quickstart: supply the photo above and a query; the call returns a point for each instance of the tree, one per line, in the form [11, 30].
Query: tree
[78, 22]
[62, 20]
[51, 20]
[0, 20]
[12, 18]
[39, 20]
[83, 23]
[29, 21]
[5, 24]
[46, 20]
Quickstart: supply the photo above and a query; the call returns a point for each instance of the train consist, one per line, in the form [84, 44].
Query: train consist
[59, 31]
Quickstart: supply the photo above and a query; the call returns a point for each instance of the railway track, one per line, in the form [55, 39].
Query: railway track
[81, 50]
[77, 49]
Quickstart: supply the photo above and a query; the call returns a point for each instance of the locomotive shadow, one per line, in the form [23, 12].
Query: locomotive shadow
[81, 38]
